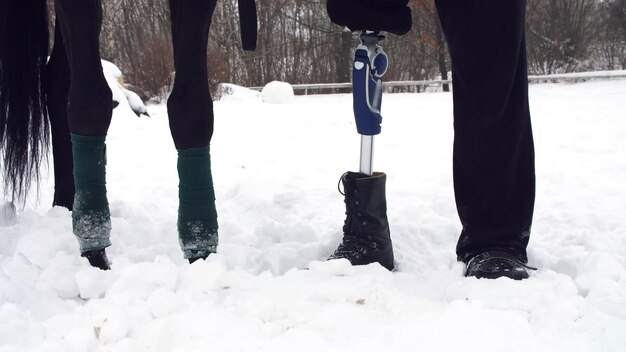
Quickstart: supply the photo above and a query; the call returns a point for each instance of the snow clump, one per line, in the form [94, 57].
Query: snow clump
[233, 92]
[277, 93]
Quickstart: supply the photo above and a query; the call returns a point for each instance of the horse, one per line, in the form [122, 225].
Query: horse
[65, 102]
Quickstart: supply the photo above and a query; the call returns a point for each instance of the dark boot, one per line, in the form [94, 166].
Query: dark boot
[366, 237]
[495, 264]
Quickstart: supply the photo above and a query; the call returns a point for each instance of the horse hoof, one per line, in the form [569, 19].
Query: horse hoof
[98, 259]
[193, 260]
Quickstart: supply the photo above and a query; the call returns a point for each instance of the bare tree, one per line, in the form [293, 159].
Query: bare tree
[559, 34]
[611, 39]
[297, 42]
[136, 36]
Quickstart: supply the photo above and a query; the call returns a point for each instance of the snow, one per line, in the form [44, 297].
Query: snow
[276, 168]
[584, 75]
[277, 92]
[8, 214]
[232, 92]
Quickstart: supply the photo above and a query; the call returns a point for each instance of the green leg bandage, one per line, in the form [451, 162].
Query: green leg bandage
[197, 216]
[91, 219]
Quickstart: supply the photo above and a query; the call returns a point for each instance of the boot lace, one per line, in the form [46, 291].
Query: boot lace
[352, 203]
[353, 245]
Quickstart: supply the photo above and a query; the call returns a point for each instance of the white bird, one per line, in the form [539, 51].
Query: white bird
[121, 95]
[135, 102]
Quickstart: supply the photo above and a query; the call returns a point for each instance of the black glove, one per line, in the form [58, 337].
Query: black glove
[393, 16]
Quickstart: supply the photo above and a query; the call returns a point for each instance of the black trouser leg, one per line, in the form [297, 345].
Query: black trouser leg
[57, 85]
[494, 173]
[89, 100]
[189, 106]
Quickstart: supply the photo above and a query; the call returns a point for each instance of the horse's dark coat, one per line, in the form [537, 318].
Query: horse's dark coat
[73, 87]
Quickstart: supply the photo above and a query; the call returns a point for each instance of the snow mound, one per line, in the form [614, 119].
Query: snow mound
[233, 92]
[269, 287]
[277, 93]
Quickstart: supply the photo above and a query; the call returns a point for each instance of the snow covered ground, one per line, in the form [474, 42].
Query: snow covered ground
[276, 168]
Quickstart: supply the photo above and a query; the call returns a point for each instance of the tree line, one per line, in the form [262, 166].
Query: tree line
[297, 43]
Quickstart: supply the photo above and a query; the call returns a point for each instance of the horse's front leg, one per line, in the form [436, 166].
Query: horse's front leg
[190, 111]
[57, 85]
[89, 115]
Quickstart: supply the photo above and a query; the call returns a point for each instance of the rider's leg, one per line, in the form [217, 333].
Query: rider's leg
[494, 170]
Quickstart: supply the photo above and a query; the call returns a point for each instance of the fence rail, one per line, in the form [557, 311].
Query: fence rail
[565, 77]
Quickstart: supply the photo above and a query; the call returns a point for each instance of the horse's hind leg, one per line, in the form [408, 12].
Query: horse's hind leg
[190, 112]
[57, 85]
[90, 100]
[89, 115]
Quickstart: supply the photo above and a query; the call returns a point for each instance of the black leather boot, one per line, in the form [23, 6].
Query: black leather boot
[495, 264]
[366, 237]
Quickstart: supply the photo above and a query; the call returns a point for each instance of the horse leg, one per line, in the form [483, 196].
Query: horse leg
[89, 116]
[190, 111]
[57, 85]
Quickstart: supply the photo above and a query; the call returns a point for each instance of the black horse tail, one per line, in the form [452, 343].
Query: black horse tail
[24, 126]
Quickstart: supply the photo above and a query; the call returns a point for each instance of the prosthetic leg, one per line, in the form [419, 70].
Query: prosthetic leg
[366, 237]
